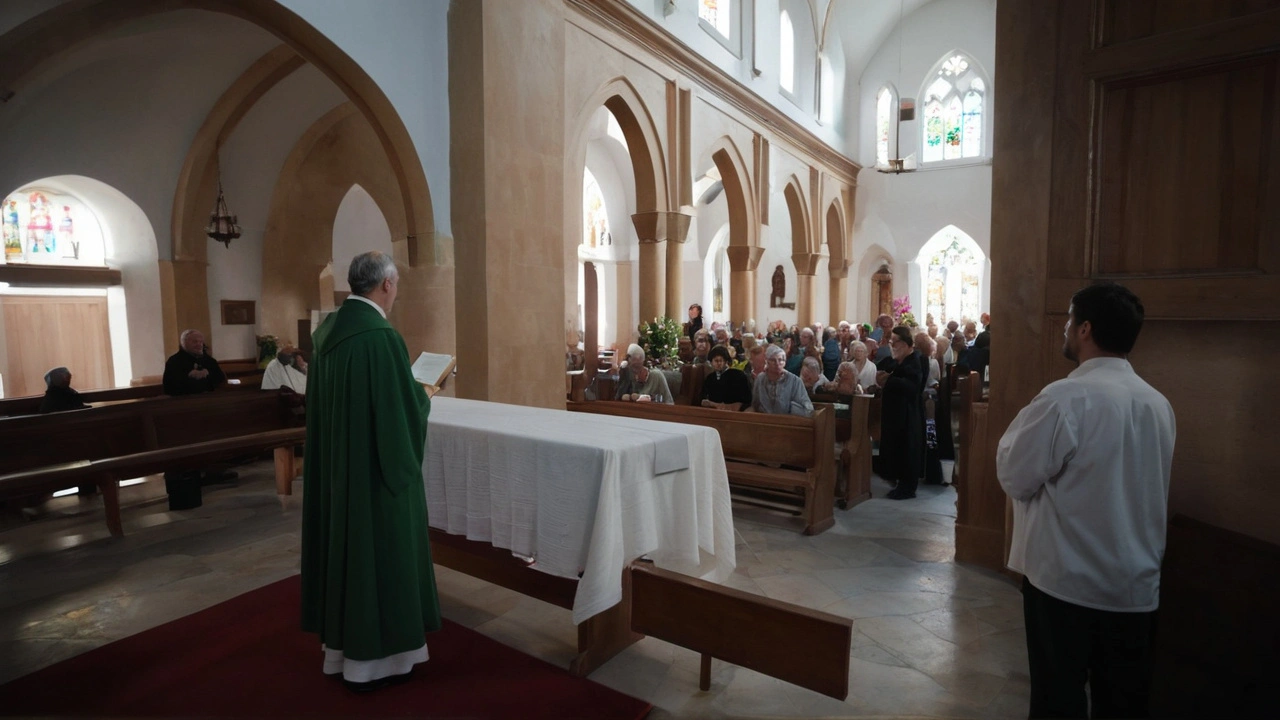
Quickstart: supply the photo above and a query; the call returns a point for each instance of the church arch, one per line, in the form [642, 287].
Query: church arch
[23, 48]
[743, 210]
[798, 211]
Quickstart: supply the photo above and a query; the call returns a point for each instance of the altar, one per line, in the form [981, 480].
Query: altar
[580, 496]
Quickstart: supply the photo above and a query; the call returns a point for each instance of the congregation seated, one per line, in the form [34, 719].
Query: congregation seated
[811, 375]
[637, 383]
[725, 388]
[192, 370]
[791, 350]
[830, 353]
[287, 370]
[723, 340]
[58, 395]
[777, 391]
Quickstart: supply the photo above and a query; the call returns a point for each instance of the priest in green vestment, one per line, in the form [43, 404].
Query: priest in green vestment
[368, 585]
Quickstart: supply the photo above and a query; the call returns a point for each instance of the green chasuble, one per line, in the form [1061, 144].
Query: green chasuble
[368, 585]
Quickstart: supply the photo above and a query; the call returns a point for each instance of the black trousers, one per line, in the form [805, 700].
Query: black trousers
[1069, 645]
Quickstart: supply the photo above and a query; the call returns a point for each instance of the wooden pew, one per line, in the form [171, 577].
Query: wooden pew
[749, 439]
[691, 379]
[980, 502]
[30, 404]
[101, 446]
[853, 481]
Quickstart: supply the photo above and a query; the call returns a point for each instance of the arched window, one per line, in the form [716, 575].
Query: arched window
[787, 45]
[952, 268]
[718, 14]
[954, 99]
[827, 96]
[46, 227]
[884, 125]
[595, 221]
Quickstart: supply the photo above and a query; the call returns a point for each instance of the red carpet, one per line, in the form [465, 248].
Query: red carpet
[248, 657]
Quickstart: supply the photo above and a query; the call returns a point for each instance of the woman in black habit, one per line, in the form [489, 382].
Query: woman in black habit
[902, 417]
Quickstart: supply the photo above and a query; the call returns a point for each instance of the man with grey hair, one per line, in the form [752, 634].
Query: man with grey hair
[639, 383]
[191, 370]
[368, 585]
[778, 391]
[58, 395]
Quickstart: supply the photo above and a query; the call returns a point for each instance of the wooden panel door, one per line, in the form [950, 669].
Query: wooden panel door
[1139, 141]
[44, 332]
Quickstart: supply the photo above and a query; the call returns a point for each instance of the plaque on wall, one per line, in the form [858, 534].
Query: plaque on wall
[238, 312]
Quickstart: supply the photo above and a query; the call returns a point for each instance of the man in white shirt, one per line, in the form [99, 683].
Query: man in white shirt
[1087, 465]
[289, 369]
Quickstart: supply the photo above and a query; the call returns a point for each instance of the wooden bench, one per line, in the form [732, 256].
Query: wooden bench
[101, 446]
[980, 501]
[30, 404]
[853, 480]
[805, 483]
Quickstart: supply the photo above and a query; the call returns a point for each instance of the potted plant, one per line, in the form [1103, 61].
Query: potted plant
[660, 339]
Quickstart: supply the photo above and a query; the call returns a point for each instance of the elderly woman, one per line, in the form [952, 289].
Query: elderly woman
[863, 369]
[639, 384]
[811, 375]
[778, 391]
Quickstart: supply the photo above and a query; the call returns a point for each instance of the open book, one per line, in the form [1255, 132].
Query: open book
[432, 370]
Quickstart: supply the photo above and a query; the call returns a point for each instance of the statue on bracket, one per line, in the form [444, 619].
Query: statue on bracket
[780, 291]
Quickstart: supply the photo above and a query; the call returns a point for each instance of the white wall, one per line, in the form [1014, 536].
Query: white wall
[123, 109]
[926, 35]
[683, 23]
[898, 214]
[252, 158]
[404, 46]
[358, 228]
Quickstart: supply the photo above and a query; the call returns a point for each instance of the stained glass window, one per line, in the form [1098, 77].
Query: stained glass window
[884, 110]
[45, 227]
[953, 112]
[787, 43]
[595, 221]
[953, 289]
[716, 13]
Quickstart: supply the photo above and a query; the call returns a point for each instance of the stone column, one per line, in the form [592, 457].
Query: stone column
[662, 235]
[677, 233]
[839, 295]
[743, 260]
[184, 299]
[806, 265]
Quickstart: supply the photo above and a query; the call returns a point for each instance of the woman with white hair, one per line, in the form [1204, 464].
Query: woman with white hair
[811, 375]
[639, 383]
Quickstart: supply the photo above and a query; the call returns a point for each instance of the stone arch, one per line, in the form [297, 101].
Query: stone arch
[837, 262]
[802, 237]
[37, 40]
[640, 131]
[743, 207]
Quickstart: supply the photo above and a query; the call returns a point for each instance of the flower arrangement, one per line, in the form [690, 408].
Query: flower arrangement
[268, 346]
[902, 314]
[660, 339]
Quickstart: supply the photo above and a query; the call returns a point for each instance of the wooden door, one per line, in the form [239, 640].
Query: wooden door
[44, 332]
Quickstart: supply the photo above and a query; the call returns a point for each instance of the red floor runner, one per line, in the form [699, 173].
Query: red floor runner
[248, 657]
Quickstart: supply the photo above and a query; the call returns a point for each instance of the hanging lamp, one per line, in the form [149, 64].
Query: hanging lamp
[223, 226]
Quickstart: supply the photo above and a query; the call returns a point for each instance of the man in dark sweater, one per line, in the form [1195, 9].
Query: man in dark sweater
[59, 396]
[191, 370]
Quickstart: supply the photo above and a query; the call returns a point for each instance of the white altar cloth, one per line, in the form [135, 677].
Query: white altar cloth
[578, 493]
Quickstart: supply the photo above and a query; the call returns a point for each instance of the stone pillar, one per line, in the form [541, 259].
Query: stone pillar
[653, 277]
[806, 265]
[662, 236]
[839, 295]
[743, 260]
[677, 233]
[184, 299]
